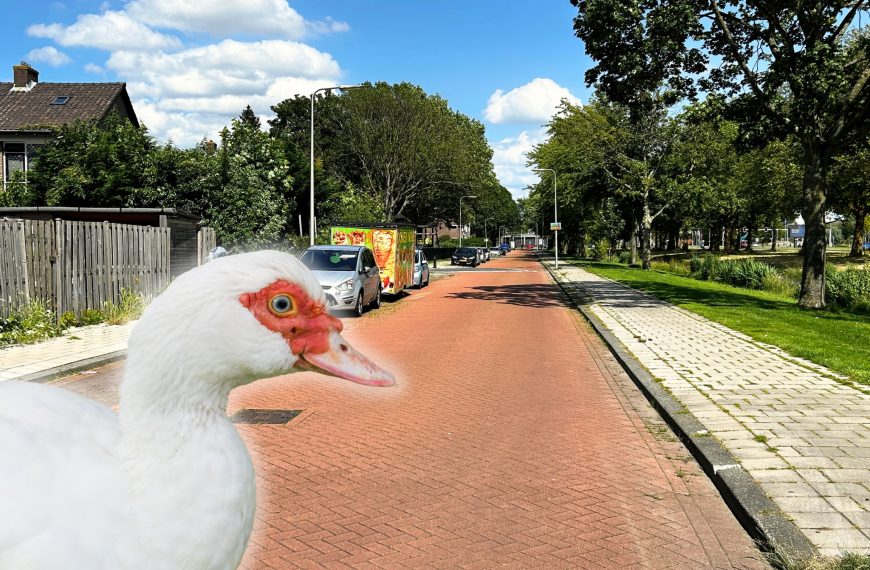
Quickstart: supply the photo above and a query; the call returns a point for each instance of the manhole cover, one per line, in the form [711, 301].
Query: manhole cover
[264, 416]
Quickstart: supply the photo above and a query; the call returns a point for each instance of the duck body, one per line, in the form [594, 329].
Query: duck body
[168, 482]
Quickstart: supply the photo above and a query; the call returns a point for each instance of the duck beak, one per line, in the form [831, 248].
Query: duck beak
[342, 360]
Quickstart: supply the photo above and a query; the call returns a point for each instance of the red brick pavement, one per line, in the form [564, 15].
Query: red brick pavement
[512, 440]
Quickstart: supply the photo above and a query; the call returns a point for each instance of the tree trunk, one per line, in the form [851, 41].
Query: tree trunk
[632, 241]
[582, 244]
[860, 212]
[774, 238]
[812, 295]
[674, 236]
[645, 223]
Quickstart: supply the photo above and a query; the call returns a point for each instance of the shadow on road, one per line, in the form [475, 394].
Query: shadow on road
[531, 295]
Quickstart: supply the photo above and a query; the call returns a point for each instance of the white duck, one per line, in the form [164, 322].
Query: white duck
[168, 483]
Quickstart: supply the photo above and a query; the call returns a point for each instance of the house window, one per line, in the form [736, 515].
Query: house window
[16, 158]
[60, 100]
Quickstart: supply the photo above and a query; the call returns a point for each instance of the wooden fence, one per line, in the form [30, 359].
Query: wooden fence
[79, 265]
[206, 240]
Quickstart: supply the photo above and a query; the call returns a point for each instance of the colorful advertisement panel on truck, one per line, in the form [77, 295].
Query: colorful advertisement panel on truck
[393, 246]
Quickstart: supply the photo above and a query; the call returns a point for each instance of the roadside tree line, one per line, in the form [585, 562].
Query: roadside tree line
[715, 114]
[382, 153]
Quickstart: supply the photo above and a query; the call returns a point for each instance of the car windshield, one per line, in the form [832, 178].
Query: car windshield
[330, 259]
[465, 251]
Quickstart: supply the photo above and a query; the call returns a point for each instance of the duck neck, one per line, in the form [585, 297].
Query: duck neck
[186, 467]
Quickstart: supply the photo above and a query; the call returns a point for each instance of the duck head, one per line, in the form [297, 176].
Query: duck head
[244, 317]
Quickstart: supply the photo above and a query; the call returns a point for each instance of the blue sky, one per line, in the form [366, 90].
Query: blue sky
[192, 65]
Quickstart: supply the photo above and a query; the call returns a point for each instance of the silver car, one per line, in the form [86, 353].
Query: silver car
[348, 274]
[421, 270]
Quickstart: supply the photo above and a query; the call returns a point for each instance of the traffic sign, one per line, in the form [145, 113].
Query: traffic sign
[555, 226]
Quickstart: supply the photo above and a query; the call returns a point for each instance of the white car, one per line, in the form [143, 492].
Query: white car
[348, 274]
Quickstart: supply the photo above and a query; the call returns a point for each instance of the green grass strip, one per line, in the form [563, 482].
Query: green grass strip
[839, 341]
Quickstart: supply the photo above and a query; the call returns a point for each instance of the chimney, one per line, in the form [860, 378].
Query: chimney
[24, 76]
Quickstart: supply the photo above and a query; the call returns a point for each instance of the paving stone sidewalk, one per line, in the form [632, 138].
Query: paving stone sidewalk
[801, 434]
[78, 348]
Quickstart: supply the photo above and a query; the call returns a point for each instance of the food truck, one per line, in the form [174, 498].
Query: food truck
[393, 246]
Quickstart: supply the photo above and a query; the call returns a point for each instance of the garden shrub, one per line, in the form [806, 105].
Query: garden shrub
[31, 323]
[848, 289]
[91, 317]
[67, 320]
[624, 256]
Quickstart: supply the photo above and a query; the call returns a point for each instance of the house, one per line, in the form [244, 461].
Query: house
[29, 108]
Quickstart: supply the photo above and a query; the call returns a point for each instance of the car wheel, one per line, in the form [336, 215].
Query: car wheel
[426, 284]
[376, 304]
[360, 306]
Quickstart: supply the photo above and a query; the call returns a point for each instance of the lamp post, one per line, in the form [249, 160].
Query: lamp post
[460, 216]
[311, 212]
[485, 234]
[555, 210]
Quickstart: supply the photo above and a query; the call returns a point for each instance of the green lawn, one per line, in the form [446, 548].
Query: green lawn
[840, 341]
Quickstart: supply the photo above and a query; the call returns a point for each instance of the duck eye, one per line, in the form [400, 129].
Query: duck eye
[281, 305]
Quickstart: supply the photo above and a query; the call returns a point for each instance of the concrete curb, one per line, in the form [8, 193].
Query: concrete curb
[73, 367]
[758, 514]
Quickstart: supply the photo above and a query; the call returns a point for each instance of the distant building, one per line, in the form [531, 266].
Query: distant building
[28, 110]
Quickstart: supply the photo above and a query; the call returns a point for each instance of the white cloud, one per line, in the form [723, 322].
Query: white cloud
[272, 18]
[108, 31]
[194, 93]
[48, 55]
[534, 102]
[509, 158]
[187, 92]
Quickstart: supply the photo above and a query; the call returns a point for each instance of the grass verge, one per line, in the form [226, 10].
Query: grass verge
[839, 341]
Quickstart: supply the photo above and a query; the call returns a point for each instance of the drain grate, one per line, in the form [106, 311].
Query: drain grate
[264, 416]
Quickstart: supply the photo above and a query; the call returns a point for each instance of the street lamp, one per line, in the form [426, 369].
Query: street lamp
[460, 216]
[311, 212]
[555, 210]
[485, 234]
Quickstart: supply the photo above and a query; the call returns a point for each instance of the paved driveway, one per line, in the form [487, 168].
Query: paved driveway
[512, 440]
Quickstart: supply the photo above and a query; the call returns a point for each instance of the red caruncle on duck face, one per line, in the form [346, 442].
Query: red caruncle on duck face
[287, 309]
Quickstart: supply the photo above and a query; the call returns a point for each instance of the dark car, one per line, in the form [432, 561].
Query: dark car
[465, 256]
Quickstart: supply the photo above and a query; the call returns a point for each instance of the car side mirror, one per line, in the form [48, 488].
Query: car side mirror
[365, 269]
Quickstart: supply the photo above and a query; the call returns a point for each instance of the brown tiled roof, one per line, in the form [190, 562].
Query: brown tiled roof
[24, 110]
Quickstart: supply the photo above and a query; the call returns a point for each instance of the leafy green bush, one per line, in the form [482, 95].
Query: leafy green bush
[91, 317]
[780, 284]
[705, 267]
[600, 250]
[749, 273]
[128, 308]
[848, 289]
[31, 323]
[67, 320]
[624, 256]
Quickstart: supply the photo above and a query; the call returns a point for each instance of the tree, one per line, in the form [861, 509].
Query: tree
[407, 148]
[850, 176]
[629, 151]
[790, 65]
[87, 163]
[250, 205]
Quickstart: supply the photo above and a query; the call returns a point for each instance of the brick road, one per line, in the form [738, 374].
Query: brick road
[512, 440]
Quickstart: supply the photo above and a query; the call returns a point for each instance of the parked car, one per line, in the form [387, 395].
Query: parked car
[421, 269]
[348, 274]
[505, 248]
[495, 251]
[485, 253]
[465, 256]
